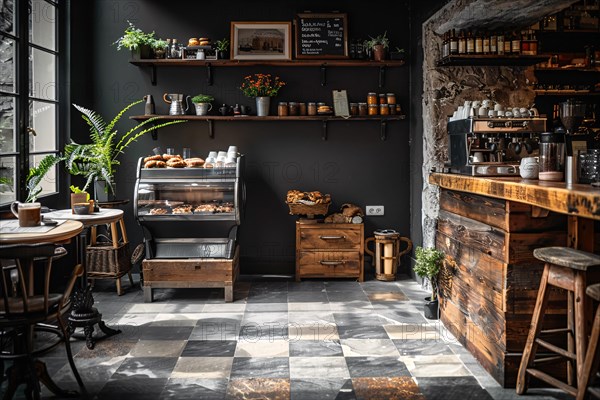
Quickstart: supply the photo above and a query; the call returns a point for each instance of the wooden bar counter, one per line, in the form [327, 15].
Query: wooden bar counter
[488, 228]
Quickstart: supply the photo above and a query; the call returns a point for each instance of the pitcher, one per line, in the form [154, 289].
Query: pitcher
[176, 101]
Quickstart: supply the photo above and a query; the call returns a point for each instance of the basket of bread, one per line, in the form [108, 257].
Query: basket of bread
[307, 203]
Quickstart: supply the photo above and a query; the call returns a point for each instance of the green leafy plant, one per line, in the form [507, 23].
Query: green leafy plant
[98, 160]
[428, 263]
[202, 98]
[222, 45]
[76, 189]
[158, 44]
[382, 40]
[37, 174]
[261, 85]
[133, 38]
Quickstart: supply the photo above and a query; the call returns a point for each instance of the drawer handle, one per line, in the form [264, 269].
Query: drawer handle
[338, 262]
[332, 237]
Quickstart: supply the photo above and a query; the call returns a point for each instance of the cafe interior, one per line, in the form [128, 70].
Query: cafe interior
[299, 199]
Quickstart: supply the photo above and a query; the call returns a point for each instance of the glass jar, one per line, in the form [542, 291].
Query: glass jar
[391, 98]
[384, 109]
[392, 109]
[282, 109]
[312, 109]
[373, 109]
[371, 98]
[301, 108]
[293, 108]
[353, 108]
[382, 98]
[398, 109]
[551, 156]
[363, 109]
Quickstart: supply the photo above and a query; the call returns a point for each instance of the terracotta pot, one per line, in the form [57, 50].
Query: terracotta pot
[378, 52]
[78, 198]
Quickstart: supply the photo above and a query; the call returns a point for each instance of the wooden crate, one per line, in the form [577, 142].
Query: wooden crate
[191, 273]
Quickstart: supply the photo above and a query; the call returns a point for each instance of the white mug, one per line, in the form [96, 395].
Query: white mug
[529, 168]
[477, 157]
[498, 107]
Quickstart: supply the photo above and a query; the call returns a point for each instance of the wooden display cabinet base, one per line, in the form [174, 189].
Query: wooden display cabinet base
[191, 273]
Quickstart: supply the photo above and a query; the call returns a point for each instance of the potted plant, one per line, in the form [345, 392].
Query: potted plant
[378, 46]
[78, 195]
[202, 103]
[159, 48]
[97, 161]
[222, 48]
[262, 87]
[137, 41]
[428, 262]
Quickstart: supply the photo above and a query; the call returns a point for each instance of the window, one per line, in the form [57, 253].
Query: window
[29, 95]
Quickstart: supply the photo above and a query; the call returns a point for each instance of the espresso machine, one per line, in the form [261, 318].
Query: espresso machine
[481, 146]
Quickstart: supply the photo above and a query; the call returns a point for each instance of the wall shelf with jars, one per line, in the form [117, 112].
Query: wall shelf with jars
[490, 60]
[322, 64]
[324, 119]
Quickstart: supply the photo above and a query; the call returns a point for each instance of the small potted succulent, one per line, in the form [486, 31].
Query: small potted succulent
[222, 48]
[429, 261]
[377, 46]
[202, 103]
[398, 54]
[136, 40]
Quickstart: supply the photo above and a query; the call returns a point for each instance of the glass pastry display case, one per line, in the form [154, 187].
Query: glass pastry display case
[189, 212]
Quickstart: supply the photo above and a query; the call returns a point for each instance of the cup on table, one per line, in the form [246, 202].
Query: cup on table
[29, 214]
[171, 151]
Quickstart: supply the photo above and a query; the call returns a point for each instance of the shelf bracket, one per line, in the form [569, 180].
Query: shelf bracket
[211, 129]
[383, 131]
[323, 75]
[153, 75]
[382, 76]
[209, 78]
[154, 132]
[324, 132]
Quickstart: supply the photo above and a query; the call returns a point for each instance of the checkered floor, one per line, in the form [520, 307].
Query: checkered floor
[279, 339]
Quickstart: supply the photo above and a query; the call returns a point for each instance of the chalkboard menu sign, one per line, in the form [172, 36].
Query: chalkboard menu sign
[321, 35]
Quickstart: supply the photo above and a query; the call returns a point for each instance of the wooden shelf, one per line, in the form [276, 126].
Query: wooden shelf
[278, 63]
[558, 92]
[490, 60]
[324, 119]
[574, 69]
[322, 64]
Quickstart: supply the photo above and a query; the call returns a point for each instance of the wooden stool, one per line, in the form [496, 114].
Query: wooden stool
[572, 270]
[592, 357]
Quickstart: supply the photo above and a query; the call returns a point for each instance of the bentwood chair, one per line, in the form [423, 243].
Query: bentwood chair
[28, 307]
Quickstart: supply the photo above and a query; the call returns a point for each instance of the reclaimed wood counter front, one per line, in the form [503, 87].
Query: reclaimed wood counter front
[488, 228]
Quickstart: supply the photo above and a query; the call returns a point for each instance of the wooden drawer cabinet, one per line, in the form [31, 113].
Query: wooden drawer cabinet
[329, 250]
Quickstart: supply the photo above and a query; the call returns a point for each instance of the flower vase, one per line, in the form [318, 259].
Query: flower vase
[262, 105]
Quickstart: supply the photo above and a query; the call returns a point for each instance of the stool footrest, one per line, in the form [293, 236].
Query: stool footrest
[556, 349]
[552, 381]
[548, 359]
[594, 391]
[555, 331]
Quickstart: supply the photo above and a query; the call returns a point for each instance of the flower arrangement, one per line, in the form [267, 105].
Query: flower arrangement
[259, 85]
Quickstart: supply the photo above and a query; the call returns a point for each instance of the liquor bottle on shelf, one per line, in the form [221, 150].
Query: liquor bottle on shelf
[462, 43]
[500, 40]
[507, 43]
[478, 43]
[445, 45]
[533, 44]
[486, 42]
[453, 43]
[493, 43]
[515, 45]
[470, 43]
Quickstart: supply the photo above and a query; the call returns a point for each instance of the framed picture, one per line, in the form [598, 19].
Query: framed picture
[261, 41]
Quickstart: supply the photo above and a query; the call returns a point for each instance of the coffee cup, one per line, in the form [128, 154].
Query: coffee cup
[529, 168]
[478, 157]
[29, 214]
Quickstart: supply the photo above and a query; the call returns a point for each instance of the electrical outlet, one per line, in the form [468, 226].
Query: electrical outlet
[375, 211]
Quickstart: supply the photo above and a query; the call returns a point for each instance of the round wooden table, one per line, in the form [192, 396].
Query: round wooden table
[59, 234]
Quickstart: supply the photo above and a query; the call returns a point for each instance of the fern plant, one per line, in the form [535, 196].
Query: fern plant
[98, 160]
[36, 174]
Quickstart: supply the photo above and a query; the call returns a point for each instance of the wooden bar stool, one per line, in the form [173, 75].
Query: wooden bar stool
[592, 357]
[571, 270]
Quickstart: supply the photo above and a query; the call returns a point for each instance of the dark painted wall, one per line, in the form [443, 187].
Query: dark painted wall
[353, 165]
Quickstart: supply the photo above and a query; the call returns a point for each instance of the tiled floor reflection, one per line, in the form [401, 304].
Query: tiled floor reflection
[280, 339]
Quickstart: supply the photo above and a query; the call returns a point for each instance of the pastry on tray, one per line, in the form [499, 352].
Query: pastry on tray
[158, 211]
[195, 162]
[184, 209]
